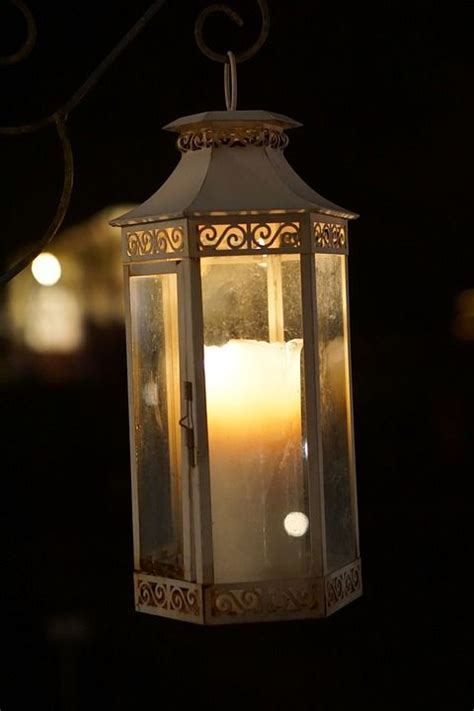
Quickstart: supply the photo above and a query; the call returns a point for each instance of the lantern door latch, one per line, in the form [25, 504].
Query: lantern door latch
[186, 422]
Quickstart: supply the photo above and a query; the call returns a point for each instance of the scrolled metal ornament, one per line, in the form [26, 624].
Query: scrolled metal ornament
[195, 141]
[228, 237]
[342, 585]
[329, 236]
[58, 119]
[31, 35]
[183, 600]
[235, 17]
[293, 598]
[262, 235]
[62, 206]
[139, 243]
[164, 240]
[236, 236]
[284, 234]
[231, 138]
[249, 236]
[267, 601]
[145, 594]
[160, 595]
[237, 602]
[166, 595]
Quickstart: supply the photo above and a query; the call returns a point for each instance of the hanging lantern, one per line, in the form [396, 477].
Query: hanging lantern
[243, 478]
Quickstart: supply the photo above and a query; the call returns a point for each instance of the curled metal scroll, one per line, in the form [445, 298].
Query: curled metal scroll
[29, 42]
[235, 17]
[61, 209]
[58, 118]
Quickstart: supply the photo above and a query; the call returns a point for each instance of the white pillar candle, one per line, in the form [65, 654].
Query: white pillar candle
[253, 392]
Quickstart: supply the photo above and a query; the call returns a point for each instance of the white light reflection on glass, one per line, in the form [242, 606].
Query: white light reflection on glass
[305, 448]
[296, 524]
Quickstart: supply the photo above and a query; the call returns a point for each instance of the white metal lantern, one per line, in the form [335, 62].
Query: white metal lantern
[244, 499]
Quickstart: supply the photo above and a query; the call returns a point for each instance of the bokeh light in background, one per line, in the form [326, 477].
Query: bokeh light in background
[46, 269]
[69, 304]
[463, 326]
[53, 321]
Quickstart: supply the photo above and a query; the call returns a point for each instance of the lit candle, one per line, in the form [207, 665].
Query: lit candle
[253, 391]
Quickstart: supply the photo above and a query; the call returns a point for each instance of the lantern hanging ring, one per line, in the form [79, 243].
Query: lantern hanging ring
[235, 17]
[230, 82]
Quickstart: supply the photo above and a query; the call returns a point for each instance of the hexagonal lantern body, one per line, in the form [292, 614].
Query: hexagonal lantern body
[244, 501]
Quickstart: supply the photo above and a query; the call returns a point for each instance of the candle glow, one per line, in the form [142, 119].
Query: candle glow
[253, 391]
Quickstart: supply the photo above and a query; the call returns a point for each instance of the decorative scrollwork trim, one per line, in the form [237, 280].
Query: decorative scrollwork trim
[59, 119]
[61, 209]
[232, 138]
[270, 600]
[328, 235]
[154, 242]
[342, 586]
[248, 602]
[171, 598]
[249, 237]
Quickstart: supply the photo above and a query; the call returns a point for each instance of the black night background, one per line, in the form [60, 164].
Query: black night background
[384, 93]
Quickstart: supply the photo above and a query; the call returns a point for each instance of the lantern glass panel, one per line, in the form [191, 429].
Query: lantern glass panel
[156, 405]
[335, 409]
[254, 396]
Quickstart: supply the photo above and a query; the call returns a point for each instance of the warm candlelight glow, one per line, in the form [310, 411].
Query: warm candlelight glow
[253, 391]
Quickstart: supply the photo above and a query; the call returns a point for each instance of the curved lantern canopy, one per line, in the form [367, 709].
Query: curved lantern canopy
[244, 498]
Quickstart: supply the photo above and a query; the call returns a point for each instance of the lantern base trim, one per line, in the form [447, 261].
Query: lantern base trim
[166, 597]
[342, 586]
[264, 601]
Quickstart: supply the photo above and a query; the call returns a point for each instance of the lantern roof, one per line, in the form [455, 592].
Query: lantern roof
[236, 118]
[232, 162]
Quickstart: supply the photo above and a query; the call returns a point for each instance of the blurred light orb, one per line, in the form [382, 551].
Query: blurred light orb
[46, 269]
[296, 524]
[463, 325]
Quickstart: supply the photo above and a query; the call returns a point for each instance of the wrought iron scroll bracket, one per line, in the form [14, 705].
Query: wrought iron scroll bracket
[59, 117]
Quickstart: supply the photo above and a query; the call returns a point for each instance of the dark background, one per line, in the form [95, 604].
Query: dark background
[385, 95]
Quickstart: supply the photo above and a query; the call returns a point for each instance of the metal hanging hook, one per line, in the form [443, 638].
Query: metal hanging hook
[31, 33]
[230, 82]
[235, 17]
